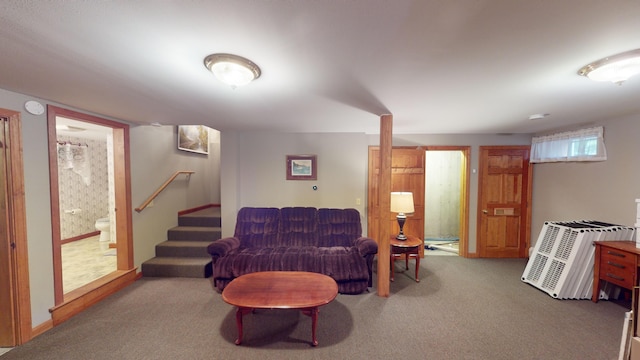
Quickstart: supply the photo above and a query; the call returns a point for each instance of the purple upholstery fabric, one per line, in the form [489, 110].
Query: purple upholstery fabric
[257, 227]
[326, 241]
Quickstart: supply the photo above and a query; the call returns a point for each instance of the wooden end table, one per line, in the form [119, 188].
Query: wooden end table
[301, 290]
[410, 247]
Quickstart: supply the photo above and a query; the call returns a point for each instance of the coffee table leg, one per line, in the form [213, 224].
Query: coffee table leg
[313, 312]
[239, 312]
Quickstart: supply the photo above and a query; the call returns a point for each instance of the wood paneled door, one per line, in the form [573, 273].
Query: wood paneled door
[407, 174]
[504, 214]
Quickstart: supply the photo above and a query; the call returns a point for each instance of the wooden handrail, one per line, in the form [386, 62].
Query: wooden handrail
[162, 187]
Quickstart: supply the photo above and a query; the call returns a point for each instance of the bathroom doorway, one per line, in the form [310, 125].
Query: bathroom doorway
[89, 183]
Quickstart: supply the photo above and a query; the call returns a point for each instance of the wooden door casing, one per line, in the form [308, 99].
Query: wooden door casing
[504, 198]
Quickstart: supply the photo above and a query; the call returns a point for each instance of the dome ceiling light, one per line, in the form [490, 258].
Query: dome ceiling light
[616, 68]
[232, 70]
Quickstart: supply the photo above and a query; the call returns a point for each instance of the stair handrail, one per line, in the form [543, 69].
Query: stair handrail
[162, 187]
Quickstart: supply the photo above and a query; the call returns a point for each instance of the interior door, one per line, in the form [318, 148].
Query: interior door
[407, 174]
[503, 206]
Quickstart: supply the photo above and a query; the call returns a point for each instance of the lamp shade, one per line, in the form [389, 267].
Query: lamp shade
[402, 202]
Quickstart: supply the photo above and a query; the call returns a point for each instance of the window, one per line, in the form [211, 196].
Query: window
[581, 145]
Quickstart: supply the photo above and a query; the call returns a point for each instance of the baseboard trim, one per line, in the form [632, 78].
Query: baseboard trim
[42, 328]
[82, 298]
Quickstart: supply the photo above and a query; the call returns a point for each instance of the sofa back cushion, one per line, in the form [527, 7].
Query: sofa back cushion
[257, 227]
[298, 226]
[338, 227]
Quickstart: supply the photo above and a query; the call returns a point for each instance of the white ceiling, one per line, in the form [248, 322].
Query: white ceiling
[439, 66]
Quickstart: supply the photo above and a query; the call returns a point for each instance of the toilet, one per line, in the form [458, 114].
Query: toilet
[103, 224]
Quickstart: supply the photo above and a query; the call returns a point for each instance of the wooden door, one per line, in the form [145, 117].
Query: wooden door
[15, 305]
[503, 204]
[407, 174]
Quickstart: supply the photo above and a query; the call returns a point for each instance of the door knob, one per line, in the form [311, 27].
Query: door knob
[485, 211]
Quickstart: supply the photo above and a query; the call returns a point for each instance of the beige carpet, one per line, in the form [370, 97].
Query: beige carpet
[461, 309]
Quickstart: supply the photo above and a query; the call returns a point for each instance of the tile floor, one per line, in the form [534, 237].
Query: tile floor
[86, 260]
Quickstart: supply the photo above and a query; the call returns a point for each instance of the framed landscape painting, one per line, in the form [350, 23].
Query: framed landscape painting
[193, 138]
[302, 167]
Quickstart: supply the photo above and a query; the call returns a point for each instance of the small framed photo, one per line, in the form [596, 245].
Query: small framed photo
[193, 138]
[302, 167]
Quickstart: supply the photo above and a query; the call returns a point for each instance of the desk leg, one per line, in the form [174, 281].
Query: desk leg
[596, 275]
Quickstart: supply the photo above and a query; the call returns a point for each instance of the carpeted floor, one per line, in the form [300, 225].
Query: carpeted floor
[461, 309]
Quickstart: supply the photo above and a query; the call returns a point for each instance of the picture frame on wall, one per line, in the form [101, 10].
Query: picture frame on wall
[302, 167]
[193, 138]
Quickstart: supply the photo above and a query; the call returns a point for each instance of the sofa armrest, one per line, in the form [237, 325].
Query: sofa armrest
[366, 246]
[222, 247]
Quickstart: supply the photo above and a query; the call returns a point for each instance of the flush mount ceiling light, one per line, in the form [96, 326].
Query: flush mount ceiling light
[232, 70]
[616, 68]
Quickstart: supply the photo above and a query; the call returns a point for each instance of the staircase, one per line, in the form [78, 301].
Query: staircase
[184, 254]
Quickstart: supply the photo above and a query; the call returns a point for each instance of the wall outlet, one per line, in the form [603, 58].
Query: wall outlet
[357, 201]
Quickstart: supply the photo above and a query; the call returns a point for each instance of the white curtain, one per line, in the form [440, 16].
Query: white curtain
[580, 145]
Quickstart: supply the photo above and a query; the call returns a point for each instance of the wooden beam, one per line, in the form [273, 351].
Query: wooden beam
[384, 194]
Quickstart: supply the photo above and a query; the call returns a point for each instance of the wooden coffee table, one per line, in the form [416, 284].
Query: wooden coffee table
[305, 291]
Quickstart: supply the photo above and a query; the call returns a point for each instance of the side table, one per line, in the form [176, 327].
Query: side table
[616, 262]
[409, 247]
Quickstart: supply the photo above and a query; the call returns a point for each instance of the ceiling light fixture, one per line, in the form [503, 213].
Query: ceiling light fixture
[616, 68]
[232, 70]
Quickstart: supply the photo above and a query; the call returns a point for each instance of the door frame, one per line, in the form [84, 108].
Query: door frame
[16, 272]
[125, 273]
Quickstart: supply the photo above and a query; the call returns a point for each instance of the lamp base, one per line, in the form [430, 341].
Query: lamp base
[401, 237]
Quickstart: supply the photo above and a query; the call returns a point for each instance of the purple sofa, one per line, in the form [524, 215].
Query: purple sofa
[326, 241]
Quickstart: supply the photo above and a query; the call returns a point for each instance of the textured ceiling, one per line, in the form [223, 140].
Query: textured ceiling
[455, 66]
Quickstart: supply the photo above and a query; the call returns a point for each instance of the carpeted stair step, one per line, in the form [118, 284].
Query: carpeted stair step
[209, 217]
[194, 233]
[173, 248]
[177, 267]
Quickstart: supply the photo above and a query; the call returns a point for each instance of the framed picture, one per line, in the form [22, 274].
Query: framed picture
[194, 138]
[302, 167]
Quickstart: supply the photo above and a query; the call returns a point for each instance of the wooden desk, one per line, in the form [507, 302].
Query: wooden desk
[410, 247]
[305, 291]
[616, 262]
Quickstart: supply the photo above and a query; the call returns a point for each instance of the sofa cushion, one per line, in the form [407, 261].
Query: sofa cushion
[298, 226]
[338, 227]
[257, 227]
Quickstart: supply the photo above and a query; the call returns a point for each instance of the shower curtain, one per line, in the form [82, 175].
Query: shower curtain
[75, 157]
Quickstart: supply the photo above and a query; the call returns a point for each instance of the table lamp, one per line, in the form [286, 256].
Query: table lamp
[401, 203]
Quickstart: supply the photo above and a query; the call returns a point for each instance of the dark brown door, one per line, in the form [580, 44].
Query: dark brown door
[504, 198]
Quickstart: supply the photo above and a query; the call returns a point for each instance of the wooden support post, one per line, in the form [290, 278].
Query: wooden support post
[384, 196]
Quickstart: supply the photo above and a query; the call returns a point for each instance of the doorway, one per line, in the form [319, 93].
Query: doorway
[443, 201]
[69, 153]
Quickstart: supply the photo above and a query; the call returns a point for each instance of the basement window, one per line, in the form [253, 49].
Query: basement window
[580, 145]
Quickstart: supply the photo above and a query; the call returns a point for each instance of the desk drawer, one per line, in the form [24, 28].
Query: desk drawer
[616, 273]
[617, 257]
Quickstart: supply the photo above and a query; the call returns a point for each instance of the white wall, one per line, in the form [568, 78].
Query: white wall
[154, 157]
[254, 172]
[604, 191]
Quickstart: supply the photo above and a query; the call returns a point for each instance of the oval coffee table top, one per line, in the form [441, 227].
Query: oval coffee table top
[280, 290]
